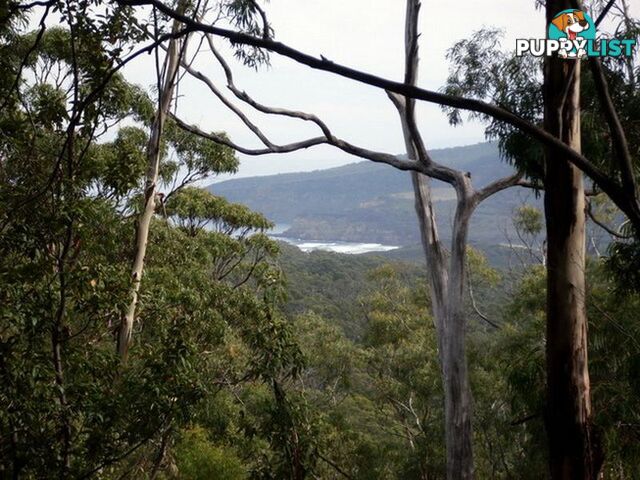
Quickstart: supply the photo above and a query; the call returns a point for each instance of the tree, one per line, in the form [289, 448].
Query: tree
[68, 201]
[446, 283]
[573, 448]
[622, 193]
[167, 79]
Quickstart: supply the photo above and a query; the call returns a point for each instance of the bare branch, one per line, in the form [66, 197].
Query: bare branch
[630, 206]
[329, 138]
[474, 305]
[207, 81]
[419, 150]
[498, 186]
[223, 140]
[379, 157]
[603, 225]
[243, 96]
[620, 144]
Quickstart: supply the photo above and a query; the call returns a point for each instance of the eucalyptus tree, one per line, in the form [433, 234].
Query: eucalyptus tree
[601, 124]
[167, 77]
[69, 195]
[573, 449]
[620, 186]
[446, 281]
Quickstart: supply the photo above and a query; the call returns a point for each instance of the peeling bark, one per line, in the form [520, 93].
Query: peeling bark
[573, 450]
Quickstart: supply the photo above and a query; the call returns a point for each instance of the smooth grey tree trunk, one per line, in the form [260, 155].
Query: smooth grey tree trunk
[170, 69]
[446, 284]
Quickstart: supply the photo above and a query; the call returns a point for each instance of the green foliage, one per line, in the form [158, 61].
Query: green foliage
[121, 164]
[195, 209]
[480, 270]
[528, 220]
[480, 69]
[207, 322]
[353, 382]
[328, 285]
[613, 352]
[247, 16]
[197, 458]
[624, 264]
[222, 382]
[376, 400]
[198, 155]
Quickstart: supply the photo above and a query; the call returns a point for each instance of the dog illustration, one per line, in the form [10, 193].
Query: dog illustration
[571, 24]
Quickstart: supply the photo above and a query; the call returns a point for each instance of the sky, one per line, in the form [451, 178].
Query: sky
[364, 34]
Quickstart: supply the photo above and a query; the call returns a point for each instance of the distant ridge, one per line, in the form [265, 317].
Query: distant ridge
[370, 202]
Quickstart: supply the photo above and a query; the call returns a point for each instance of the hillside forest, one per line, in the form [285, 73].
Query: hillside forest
[152, 326]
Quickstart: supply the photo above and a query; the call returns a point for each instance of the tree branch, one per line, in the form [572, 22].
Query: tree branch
[223, 140]
[498, 186]
[620, 144]
[602, 225]
[243, 96]
[630, 206]
[239, 113]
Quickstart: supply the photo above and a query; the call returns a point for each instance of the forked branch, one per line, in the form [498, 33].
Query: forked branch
[630, 206]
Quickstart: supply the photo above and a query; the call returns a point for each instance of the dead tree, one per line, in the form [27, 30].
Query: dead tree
[446, 273]
[446, 279]
[560, 141]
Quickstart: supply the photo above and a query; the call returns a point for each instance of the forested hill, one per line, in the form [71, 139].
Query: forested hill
[369, 202]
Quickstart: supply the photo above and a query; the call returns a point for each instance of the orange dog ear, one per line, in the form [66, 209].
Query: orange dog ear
[560, 22]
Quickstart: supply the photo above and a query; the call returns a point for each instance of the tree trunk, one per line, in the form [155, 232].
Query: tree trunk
[432, 247]
[573, 454]
[447, 292]
[458, 410]
[170, 69]
[446, 285]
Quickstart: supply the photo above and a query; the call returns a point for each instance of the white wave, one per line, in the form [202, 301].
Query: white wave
[351, 248]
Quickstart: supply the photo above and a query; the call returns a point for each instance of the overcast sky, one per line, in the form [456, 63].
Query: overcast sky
[365, 34]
